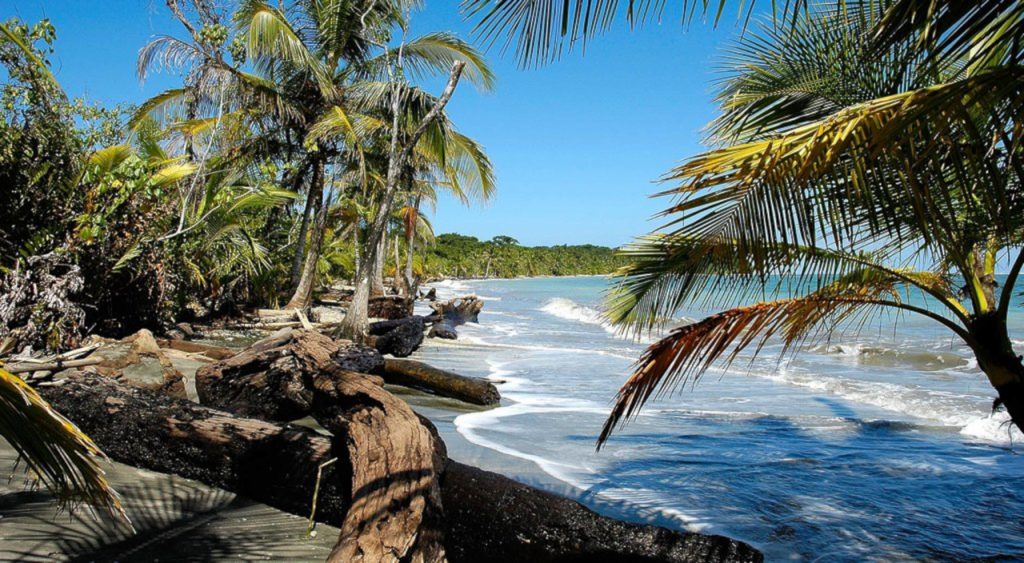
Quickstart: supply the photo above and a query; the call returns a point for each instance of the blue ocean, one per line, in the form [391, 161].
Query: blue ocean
[877, 445]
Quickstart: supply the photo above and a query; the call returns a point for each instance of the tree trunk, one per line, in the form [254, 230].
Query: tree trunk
[410, 373]
[397, 278]
[304, 290]
[380, 255]
[300, 242]
[996, 357]
[410, 247]
[452, 313]
[355, 324]
[273, 464]
[395, 510]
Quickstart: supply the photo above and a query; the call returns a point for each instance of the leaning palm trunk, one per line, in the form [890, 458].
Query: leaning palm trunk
[300, 241]
[377, 279]
[410, 248]
[356, 322]
[304, 290]
[990, 341]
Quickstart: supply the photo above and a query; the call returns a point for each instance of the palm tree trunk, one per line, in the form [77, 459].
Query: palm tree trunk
[377, 281]
[994, 351]
[304, 288]
[410, 244]
[300, 243]
[356, 252]
[355, 326]
[397, 278]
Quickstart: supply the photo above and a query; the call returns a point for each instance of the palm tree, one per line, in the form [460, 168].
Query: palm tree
[294, 74]
[866, 175]
[411, 117]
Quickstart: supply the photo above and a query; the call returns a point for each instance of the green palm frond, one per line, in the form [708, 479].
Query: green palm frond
[989, 33]
[467, 169]
[542, 29]
[431, 55]
[862, 171]
[57, 452]
[104, 160]
[667, 271]
[270, 36]
[160, 105]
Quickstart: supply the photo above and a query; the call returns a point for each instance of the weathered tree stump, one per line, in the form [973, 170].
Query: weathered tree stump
[419, 375]
[400, 337]
[273, 378]
[390, 307]
[452, 313]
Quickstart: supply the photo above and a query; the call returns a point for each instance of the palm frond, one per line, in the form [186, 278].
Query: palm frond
[166, 53]
[867, 170]
[158, 106]
[269, 36]
[62, 457]
[431, 56]
[542, 29]
[681, 357]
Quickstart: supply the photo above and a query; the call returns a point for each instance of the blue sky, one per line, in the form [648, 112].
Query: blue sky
[576, 144]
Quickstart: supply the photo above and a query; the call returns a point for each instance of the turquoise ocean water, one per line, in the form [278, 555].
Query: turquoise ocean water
[875, 446]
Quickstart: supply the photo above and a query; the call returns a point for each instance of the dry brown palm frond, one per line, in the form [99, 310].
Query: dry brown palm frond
[55, 450]
[684, 355]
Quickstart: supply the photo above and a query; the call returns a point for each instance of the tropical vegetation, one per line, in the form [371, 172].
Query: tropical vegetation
[297, 150]
[460, 256]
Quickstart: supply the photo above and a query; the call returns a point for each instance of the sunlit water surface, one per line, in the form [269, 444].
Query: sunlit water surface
[878, 445]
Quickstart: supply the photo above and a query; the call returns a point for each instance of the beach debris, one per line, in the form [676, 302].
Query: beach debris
[452, 313]
[419, 375]
[391, 456]
[486, 517]
[398, 337]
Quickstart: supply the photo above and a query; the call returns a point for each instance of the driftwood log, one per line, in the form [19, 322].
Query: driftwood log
[390, 307]
[487, 517]
[398, 337]
[419, 375]
[389, 454]
[452, 313]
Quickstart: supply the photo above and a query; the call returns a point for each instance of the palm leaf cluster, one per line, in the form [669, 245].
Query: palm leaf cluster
[862, 163]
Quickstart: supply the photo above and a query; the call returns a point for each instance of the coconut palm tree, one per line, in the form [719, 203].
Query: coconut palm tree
[412, 120]
[868, 176]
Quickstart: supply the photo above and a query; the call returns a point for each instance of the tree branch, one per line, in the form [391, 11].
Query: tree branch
[442, 101]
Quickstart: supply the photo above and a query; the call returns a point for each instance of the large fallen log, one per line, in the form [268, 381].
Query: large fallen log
[487, 517]
[453, 313]
[419, 375]
[390, 456]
